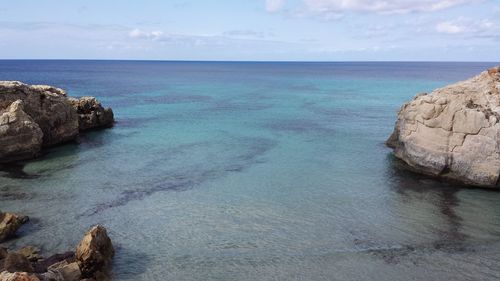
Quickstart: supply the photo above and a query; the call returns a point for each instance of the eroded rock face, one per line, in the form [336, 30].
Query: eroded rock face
[454, 132]
[95, 251]
[36, 116]
[20, 136]
[15, 262]
[91, 114]
[17, 276]
[48, 106]
[9, 224]
[93, 256]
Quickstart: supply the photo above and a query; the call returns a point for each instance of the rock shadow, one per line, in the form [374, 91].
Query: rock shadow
[16, 171]
[129, 263]
[412, 186]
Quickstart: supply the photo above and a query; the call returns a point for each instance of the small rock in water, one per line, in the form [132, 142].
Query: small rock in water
[31, 253]
[52, 261]
[15, 262]
[95, 251]
[66, 272]
[9, 224]
[93, 256]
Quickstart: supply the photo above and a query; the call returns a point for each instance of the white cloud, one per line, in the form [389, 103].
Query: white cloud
[383, 6]
[449, 27]
[469, 27]
[247, 33]
[274, 5]
[140, 34]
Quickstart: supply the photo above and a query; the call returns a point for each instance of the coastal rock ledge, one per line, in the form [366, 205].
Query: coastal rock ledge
[37, 116]
[454, 132]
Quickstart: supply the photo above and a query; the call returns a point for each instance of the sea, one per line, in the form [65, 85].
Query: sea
[251, 171]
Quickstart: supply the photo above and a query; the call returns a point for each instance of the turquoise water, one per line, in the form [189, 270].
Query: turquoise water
[252, 171]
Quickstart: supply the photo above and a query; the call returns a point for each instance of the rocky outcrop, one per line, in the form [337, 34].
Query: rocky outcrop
[95, 251]
[36, 116]
[91, 114]
[91, 261]
[9, 224]
[453, 132]
[17, 276]
[20, 136]
[15, 262]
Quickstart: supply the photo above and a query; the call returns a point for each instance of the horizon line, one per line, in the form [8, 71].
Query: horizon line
[254, 61]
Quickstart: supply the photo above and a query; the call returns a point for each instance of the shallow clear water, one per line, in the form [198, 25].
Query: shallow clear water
[252, 171]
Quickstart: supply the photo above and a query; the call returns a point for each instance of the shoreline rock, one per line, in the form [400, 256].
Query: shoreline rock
[36, 116]
[91, 114]
[453, 132]
[90, 261]
[9, 224]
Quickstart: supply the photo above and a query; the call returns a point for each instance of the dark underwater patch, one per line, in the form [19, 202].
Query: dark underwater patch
[300, 126]
[16, 171]
[13, 193]
[189, 177]
[175, 98]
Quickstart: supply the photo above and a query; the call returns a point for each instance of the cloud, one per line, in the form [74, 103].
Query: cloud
[467, 27]
[248, 34]
[449, 27]
[274, 5]
[139, 34]
[382, 6]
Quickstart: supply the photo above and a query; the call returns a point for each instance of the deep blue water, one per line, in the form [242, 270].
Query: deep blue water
[252, 171]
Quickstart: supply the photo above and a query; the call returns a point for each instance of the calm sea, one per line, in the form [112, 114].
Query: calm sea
[252, 171]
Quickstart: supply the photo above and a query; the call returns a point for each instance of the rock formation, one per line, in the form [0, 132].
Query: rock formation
[36, 116]
[21, 137]
[95, 251]
[454, 132]
[91, 261]
[9, 224]
[91, 114]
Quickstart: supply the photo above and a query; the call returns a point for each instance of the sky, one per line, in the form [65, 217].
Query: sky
[252, 30]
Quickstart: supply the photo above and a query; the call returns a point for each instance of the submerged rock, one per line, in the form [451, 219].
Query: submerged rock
[454, 132]
[53, 261]
[9, 224]
[64, 271]
[15, 262]
[31, 253]
[3, 253]
[36, 116]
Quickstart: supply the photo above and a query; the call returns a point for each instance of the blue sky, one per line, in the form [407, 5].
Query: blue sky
[306, 30]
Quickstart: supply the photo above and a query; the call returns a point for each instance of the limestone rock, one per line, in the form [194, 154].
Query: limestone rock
[91, 114]
[15, 262]
[20, 136]
[9, 224]
[48, 106]
[454, 132]
[17, 276]
[95, 251]
[53, 262]
[36, 116]
[3, 253]
[64, 271]
[31, 253]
